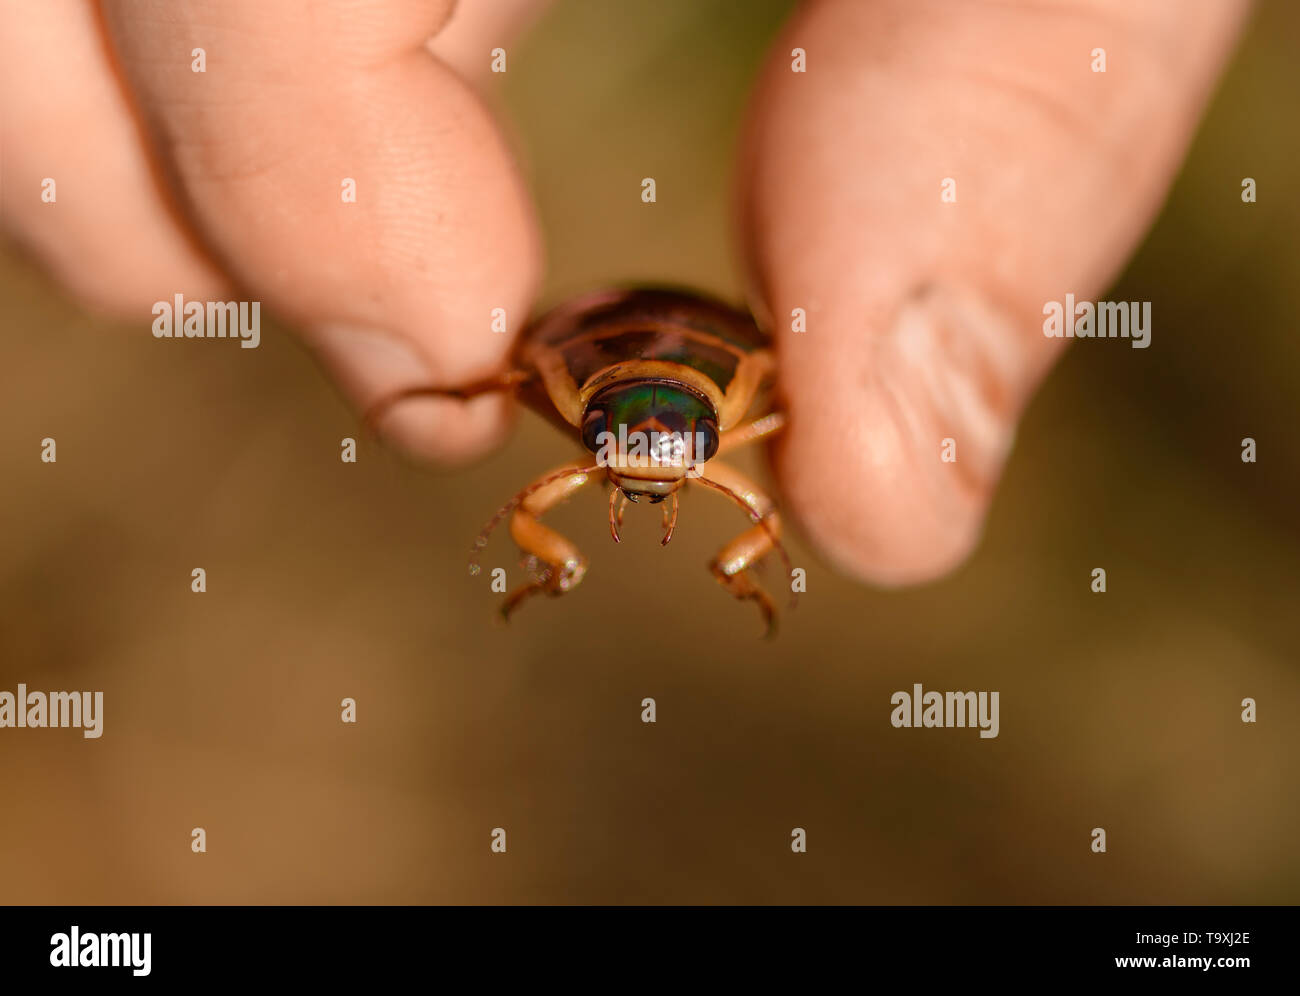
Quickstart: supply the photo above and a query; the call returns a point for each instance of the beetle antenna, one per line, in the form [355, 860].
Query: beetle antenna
[758, 518]
[481, 540]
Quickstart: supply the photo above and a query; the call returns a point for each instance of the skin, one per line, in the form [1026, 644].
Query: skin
[924, 318]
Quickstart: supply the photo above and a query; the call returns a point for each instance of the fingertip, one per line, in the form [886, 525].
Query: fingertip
[889, 525]
[368, 198]
[444, 431]
[371, 365]
[897, 440]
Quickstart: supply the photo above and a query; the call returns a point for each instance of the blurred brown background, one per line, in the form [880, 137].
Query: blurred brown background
[328, 580]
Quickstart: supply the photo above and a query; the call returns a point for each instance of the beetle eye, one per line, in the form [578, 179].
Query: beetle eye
[592, 426]
[706, 431]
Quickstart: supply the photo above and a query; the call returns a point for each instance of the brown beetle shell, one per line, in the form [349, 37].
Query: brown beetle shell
[586, 344]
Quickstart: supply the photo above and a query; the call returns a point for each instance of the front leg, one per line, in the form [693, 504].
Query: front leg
[750, 432]
[733, 566]
[559, 566]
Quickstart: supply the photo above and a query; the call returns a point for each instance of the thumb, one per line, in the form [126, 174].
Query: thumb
[352, 181]
[924, 314]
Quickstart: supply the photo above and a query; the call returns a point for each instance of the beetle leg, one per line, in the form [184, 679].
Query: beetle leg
[670, 521]
[733, 566]
[617, 503]
[563, 565]
[506, 381]
[749, 432]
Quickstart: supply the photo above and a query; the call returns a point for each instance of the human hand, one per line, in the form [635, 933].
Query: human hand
[174, 181]
[924, 317]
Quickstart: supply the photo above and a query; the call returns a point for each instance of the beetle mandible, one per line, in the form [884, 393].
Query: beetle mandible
[656, 383]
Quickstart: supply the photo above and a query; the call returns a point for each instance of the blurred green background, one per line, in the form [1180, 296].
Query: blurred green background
[328, 580]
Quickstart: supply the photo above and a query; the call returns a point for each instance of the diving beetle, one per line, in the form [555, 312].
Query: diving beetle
[617, 369]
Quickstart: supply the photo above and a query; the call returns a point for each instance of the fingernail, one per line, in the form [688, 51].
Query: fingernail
[965, 366]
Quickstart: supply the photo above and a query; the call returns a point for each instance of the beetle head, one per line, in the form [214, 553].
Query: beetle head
[649, 435]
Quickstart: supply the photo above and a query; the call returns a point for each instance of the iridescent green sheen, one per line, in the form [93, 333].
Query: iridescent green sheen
[652, 404]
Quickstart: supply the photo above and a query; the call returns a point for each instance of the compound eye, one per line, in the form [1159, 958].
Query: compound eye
[593, 424]
[706, 432]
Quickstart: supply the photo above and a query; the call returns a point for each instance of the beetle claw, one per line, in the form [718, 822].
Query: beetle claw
[670, 522]
[743, 586]
[555, 580]
[617, 502]
[516, 598]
